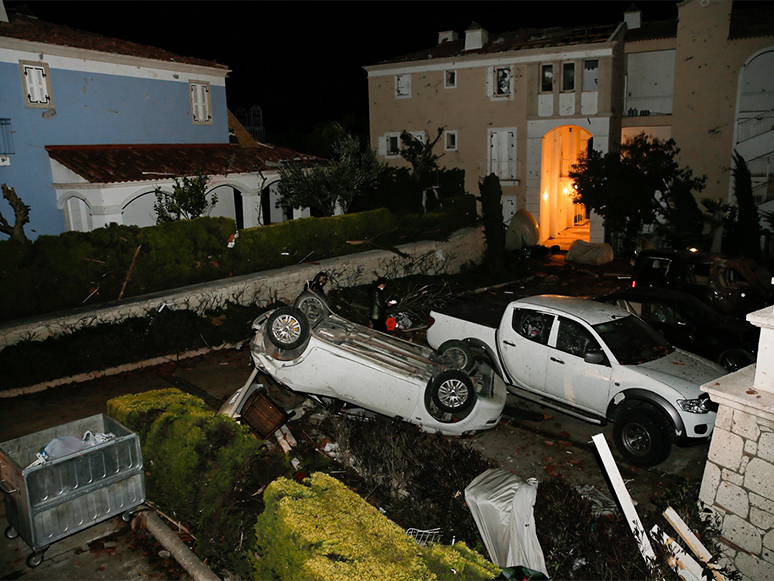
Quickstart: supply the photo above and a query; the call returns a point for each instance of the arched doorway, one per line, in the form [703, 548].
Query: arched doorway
[561, 148]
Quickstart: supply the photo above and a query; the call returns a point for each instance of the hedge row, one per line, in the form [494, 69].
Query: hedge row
[77, 268]
[196, 463]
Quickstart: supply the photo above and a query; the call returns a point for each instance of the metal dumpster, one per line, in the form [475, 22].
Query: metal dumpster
[53, 500]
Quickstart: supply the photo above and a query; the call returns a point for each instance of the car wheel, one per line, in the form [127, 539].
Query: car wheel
[452, 391]
[458, 353]
[313, 306]
[640, 436]
[287, 327]
[735, 359]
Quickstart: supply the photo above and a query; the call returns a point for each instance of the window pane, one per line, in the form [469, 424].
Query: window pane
[503, 81]
[451, 78]
[568, 77]
[591, 75]
[547, 78]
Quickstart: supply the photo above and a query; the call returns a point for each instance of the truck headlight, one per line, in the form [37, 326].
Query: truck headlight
[694, 406]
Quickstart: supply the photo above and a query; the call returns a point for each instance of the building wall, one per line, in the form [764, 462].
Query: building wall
[96, 102]
[707, 67]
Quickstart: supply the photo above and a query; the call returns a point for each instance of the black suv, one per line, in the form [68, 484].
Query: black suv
[731, 286]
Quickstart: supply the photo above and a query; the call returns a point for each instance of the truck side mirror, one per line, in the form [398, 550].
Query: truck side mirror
[594, 356]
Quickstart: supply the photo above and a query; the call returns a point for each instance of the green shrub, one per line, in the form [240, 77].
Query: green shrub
[196, 462]
[76, 268]
[322, 531]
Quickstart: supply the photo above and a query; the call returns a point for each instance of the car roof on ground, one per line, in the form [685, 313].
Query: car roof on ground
[592, 312]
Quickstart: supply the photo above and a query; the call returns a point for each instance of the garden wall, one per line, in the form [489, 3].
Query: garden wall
[738, 482]
[465, 246]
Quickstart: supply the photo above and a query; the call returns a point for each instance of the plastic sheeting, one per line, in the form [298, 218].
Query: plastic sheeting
[502, 506]
[523, 231]
[587, 253]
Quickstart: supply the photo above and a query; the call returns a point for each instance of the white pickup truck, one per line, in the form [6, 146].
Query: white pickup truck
[591, 360]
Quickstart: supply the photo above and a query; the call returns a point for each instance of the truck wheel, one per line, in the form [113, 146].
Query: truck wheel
[735, 359]
[452, 391]
[313, 306]
[640, 436]
[287, 327]
[459, 353]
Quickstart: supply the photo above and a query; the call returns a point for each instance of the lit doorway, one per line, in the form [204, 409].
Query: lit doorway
[561, 149]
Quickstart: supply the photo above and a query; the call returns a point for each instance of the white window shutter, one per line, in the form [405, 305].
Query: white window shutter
[382, 145]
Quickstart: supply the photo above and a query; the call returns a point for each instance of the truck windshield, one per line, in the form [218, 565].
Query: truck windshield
[633, 341]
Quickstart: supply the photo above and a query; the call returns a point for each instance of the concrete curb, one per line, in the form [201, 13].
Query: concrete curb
[172, 543]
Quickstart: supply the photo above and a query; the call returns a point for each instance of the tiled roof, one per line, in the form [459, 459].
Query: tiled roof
[129, 163]
[521, 39]
[24, 27]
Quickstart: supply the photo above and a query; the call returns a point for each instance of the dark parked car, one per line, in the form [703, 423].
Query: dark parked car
[731, 286]
[689, 324]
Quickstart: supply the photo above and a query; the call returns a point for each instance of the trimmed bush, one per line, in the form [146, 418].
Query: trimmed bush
[322, 531]
[196, 461]
[66, 271]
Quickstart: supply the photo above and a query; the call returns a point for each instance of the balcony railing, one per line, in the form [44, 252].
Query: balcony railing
[754, 126]
[6, 137]
[644, 106]
[759, 101]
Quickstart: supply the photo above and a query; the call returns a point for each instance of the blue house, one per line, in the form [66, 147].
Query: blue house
[70, 100]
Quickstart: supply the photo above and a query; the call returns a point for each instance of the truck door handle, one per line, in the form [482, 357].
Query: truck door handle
[557, 360]
[509, 343]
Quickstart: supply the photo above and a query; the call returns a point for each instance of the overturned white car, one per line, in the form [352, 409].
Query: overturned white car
[312, 351]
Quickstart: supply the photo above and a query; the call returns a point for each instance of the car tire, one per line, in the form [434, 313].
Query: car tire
[641, 437]
[452, 391]
[735, 359]
[313, 306]
[287, 328]
[459, 353]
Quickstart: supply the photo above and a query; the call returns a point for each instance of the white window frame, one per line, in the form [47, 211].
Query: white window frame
[543, 67]
[36, 83]
[594, 77]
[496, 85]
[446, 83]
[450, 140]
[201, 102]
[574, 77]
[501, 155]
[384, 145]
[420, 135]
[402, 86]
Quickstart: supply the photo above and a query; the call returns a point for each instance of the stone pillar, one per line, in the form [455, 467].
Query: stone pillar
[738, 482]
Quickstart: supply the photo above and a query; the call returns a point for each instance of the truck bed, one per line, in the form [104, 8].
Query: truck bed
[486, 314]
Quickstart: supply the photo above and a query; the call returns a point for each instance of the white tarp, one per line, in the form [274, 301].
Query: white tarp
[587, 253]
[502, 506]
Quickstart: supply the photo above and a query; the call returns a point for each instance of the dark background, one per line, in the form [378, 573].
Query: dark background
[302, 62]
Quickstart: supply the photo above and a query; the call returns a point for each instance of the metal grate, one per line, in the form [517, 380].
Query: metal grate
[6, 139]
[422, 537]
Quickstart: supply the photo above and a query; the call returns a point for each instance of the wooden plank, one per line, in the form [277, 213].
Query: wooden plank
[691, 540]
[681, 562]
[619, 487]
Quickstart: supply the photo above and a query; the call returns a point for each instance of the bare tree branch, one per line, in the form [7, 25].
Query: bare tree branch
[21, 213]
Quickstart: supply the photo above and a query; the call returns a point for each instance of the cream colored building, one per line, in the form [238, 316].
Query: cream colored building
[525, 104]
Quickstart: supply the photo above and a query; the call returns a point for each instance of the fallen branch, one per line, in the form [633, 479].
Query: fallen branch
[129, 272]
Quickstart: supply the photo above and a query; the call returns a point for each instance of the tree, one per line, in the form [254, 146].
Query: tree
[188, 199]
[420, 155]
[350, 173]
[492, 214]
[749, 225]
[639, 186]
[21, 212]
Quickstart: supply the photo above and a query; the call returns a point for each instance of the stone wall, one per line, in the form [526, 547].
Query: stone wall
[738, 482]
[430, 257]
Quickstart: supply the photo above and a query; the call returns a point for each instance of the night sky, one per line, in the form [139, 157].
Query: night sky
[301, 62]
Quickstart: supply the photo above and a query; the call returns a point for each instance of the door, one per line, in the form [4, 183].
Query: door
[524, 347]
[569, 377]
